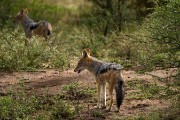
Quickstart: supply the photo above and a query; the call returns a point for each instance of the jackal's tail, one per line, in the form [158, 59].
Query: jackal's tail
[48, 28]
[119, 87]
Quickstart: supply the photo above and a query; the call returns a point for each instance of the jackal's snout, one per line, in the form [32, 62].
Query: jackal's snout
[77, 70]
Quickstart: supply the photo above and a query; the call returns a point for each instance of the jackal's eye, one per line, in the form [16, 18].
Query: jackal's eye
[80, 63]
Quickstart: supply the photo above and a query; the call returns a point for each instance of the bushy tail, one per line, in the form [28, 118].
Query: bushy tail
[48, 29]
[119, 87]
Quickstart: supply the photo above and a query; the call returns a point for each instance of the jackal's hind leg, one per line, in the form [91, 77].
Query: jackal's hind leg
[104, 95]
[111, 87]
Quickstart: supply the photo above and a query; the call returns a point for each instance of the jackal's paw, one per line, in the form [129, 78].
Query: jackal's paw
[96, 107]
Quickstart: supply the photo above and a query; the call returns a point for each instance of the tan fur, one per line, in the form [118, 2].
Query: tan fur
[40, 30]
[110, 77]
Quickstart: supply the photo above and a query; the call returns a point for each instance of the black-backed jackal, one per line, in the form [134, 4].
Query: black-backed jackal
[41, 28]
[103, 72]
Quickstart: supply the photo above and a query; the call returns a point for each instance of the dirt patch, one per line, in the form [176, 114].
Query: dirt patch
[52, 80]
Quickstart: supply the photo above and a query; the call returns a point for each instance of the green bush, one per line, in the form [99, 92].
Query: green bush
[23, 106]
[73, 91]
[19, 108]
[62, 110]
[15, 55]
[97, 113]
[163, 29]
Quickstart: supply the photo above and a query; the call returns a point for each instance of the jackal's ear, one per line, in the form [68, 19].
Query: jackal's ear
[21, 12]
[86, 52]
[25, 11]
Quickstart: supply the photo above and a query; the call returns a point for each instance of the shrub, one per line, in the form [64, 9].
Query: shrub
[73, 91]
[15, 55]
[62, 110]
[19, 108]
[163, 28]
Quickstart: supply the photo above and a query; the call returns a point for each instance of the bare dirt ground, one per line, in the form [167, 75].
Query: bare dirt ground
[52, 80]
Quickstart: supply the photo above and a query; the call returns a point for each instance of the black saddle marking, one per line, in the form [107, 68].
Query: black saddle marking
[103, 71]
[33, 25]
[109, 66]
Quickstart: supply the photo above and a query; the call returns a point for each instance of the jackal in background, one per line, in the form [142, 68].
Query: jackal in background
[103, 72]
[41, 28]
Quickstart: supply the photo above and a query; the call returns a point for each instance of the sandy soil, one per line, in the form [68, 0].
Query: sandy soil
[40, 81]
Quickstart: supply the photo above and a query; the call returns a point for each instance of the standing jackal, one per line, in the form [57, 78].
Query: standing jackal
[103, 72]
[41, 28]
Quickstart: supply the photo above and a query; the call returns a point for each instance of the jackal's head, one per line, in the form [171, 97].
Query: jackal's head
[20, 15]
[84, 61]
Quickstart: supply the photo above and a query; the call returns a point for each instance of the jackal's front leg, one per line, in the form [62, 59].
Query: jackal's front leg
[28, 33]
[101, 94]
[98, 95]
